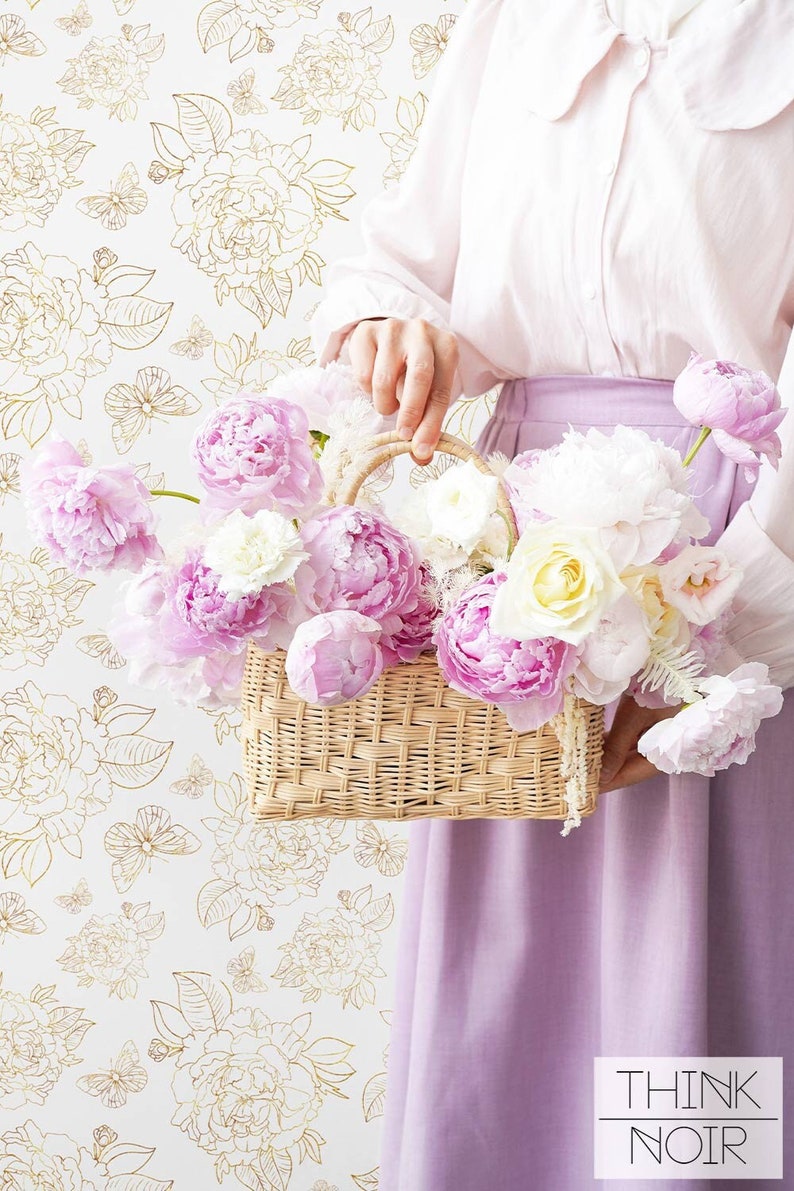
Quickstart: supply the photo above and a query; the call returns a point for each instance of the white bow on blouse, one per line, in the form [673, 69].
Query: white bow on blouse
[661, 19]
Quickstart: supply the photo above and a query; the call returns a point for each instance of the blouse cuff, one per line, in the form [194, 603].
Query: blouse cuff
[762, 627]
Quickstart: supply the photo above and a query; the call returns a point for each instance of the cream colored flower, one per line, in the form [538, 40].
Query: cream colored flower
[37, 602]
[16, 918]
[112, 949]
[38, 1040]
[249, 553]
[135, 407]
[112, 71]
[335, 73]
[665, 622]
[559, 583]
[114, 206]
[124, 1077]
[387, 852]
[38, 162]
[460, 503]
[245, 978]
[337, 951]
[134, 846]
[34, 1161]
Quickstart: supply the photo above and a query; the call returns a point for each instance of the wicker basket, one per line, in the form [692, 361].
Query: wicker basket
[412, 747]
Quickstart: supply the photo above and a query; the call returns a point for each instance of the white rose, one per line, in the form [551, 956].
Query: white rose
[665, 622]
[700, 581]
[560, 582]
[460, 503]
[249, 553]
[413, 519]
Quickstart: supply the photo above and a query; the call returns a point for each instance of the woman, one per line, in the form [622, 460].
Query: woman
[596, 190]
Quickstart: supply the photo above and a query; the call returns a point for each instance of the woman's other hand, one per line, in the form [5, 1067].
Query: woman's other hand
[406, 364]
[622, 765]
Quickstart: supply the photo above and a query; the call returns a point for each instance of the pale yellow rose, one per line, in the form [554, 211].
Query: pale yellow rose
[559, 583]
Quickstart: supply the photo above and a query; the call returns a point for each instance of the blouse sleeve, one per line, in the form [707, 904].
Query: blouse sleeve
[760, 539]
[411, 228]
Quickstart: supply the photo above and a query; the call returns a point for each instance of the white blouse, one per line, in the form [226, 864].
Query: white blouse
[585, 198]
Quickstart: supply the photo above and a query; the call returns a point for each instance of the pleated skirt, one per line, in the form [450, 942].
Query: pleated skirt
[662, 926]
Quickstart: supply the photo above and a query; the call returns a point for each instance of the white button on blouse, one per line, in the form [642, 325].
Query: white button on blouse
[629, 168]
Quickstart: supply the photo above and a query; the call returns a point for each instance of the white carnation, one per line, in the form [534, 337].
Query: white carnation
[249, 553]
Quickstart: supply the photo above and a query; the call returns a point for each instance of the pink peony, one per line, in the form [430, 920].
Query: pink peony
[719, 729]
[334, 656]
[358, 561]
[700, 581]
[415, 633]
[255, 453]
[742, 408]
[172, 614]
[525, 678]
[89, 518]
[514, 479]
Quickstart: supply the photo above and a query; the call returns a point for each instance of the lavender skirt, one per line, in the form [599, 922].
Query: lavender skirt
[663, 926]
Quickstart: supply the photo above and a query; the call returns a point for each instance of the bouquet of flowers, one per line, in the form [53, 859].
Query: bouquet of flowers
[594, 586]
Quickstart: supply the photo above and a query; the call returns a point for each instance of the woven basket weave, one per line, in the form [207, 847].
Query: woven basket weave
[411, 747]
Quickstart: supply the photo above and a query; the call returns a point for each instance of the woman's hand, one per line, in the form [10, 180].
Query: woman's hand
[622, 765]
[407, 364]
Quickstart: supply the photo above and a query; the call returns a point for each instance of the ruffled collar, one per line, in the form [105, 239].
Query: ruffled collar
[737, 73]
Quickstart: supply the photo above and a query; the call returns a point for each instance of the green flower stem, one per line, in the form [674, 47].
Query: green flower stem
[168, 492]
[692, 452]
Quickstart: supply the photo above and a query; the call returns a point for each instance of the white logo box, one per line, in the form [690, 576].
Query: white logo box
[688, 1118]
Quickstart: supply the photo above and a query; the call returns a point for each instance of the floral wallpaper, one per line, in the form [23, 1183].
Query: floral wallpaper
[186, 996]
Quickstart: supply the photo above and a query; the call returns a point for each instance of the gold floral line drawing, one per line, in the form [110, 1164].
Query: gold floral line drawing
[197, 339]
[197, 780]
[247, 1088]
[16, 40]
[38, 602]
[76, 901]
[260, 866]
[373, 1097]
[31, 1158]
[247, 209]
[245, 977]
[429, 42]
[376, 846]
[336, 951]
[39, 160]
[75, 23]
[242, 25]
[335, 73]
[111, 949]
[134, 846]
[112, 71]
[124, 1077]
[16, 918]
[39, 1037]
[153, 397]
[59, 325]
[247, 364]
[114, 206]
[59, 763]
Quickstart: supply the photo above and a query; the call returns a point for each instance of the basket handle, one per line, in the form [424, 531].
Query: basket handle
[382, 447]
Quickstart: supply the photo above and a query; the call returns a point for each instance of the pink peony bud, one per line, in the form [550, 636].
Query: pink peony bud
[334, 656]
[741, 407]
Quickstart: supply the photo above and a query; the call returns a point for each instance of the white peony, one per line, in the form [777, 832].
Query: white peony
[249, 553]
[630, 487]
[460, 503]
[613, 653]
[700, 581]
[560, 582]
